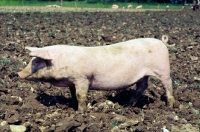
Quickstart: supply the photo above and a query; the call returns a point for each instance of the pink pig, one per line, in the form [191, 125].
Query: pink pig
[109, 67]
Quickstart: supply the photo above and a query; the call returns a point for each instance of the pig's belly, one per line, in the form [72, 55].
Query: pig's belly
[109, 87]
[117, 80]
[103, 82]
[111, 84]
[95, 84]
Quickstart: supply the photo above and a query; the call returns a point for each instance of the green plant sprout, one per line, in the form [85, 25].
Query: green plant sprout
[3, 82]
[115, 123]
[5, 62]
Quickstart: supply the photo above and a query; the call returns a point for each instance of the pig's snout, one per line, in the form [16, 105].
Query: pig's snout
[23, 74]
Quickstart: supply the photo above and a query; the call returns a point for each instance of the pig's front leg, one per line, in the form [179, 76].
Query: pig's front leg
[82, 86]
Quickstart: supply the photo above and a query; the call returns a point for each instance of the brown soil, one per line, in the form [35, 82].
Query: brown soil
[43, 107]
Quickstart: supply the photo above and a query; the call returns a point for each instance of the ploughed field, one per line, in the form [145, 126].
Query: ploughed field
[39, 106]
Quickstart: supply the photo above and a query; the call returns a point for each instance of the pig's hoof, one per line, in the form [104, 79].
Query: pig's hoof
[81, 110]
[170, 102]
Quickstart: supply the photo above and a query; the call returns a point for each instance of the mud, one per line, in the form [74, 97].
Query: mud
[42, 107]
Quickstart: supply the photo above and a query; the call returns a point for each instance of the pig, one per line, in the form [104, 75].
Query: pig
[167, 7]
[182, 8]
[115, 6]
[129, 6]
[109, 67]
[139, 7]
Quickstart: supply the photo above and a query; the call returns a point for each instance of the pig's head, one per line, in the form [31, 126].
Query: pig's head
[39, 61]
[34, 65]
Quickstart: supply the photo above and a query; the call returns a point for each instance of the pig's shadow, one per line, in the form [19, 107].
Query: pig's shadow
[123, 98]
[59, 101]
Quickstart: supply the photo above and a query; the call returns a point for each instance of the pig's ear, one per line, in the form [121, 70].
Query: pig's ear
[39, 52]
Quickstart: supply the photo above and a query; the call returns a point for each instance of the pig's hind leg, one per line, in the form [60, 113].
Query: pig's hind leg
[167, 83]
[141, 85]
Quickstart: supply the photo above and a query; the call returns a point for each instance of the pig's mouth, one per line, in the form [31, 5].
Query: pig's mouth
[23, 75]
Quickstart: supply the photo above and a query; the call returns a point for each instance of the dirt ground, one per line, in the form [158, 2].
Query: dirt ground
[38, 106]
